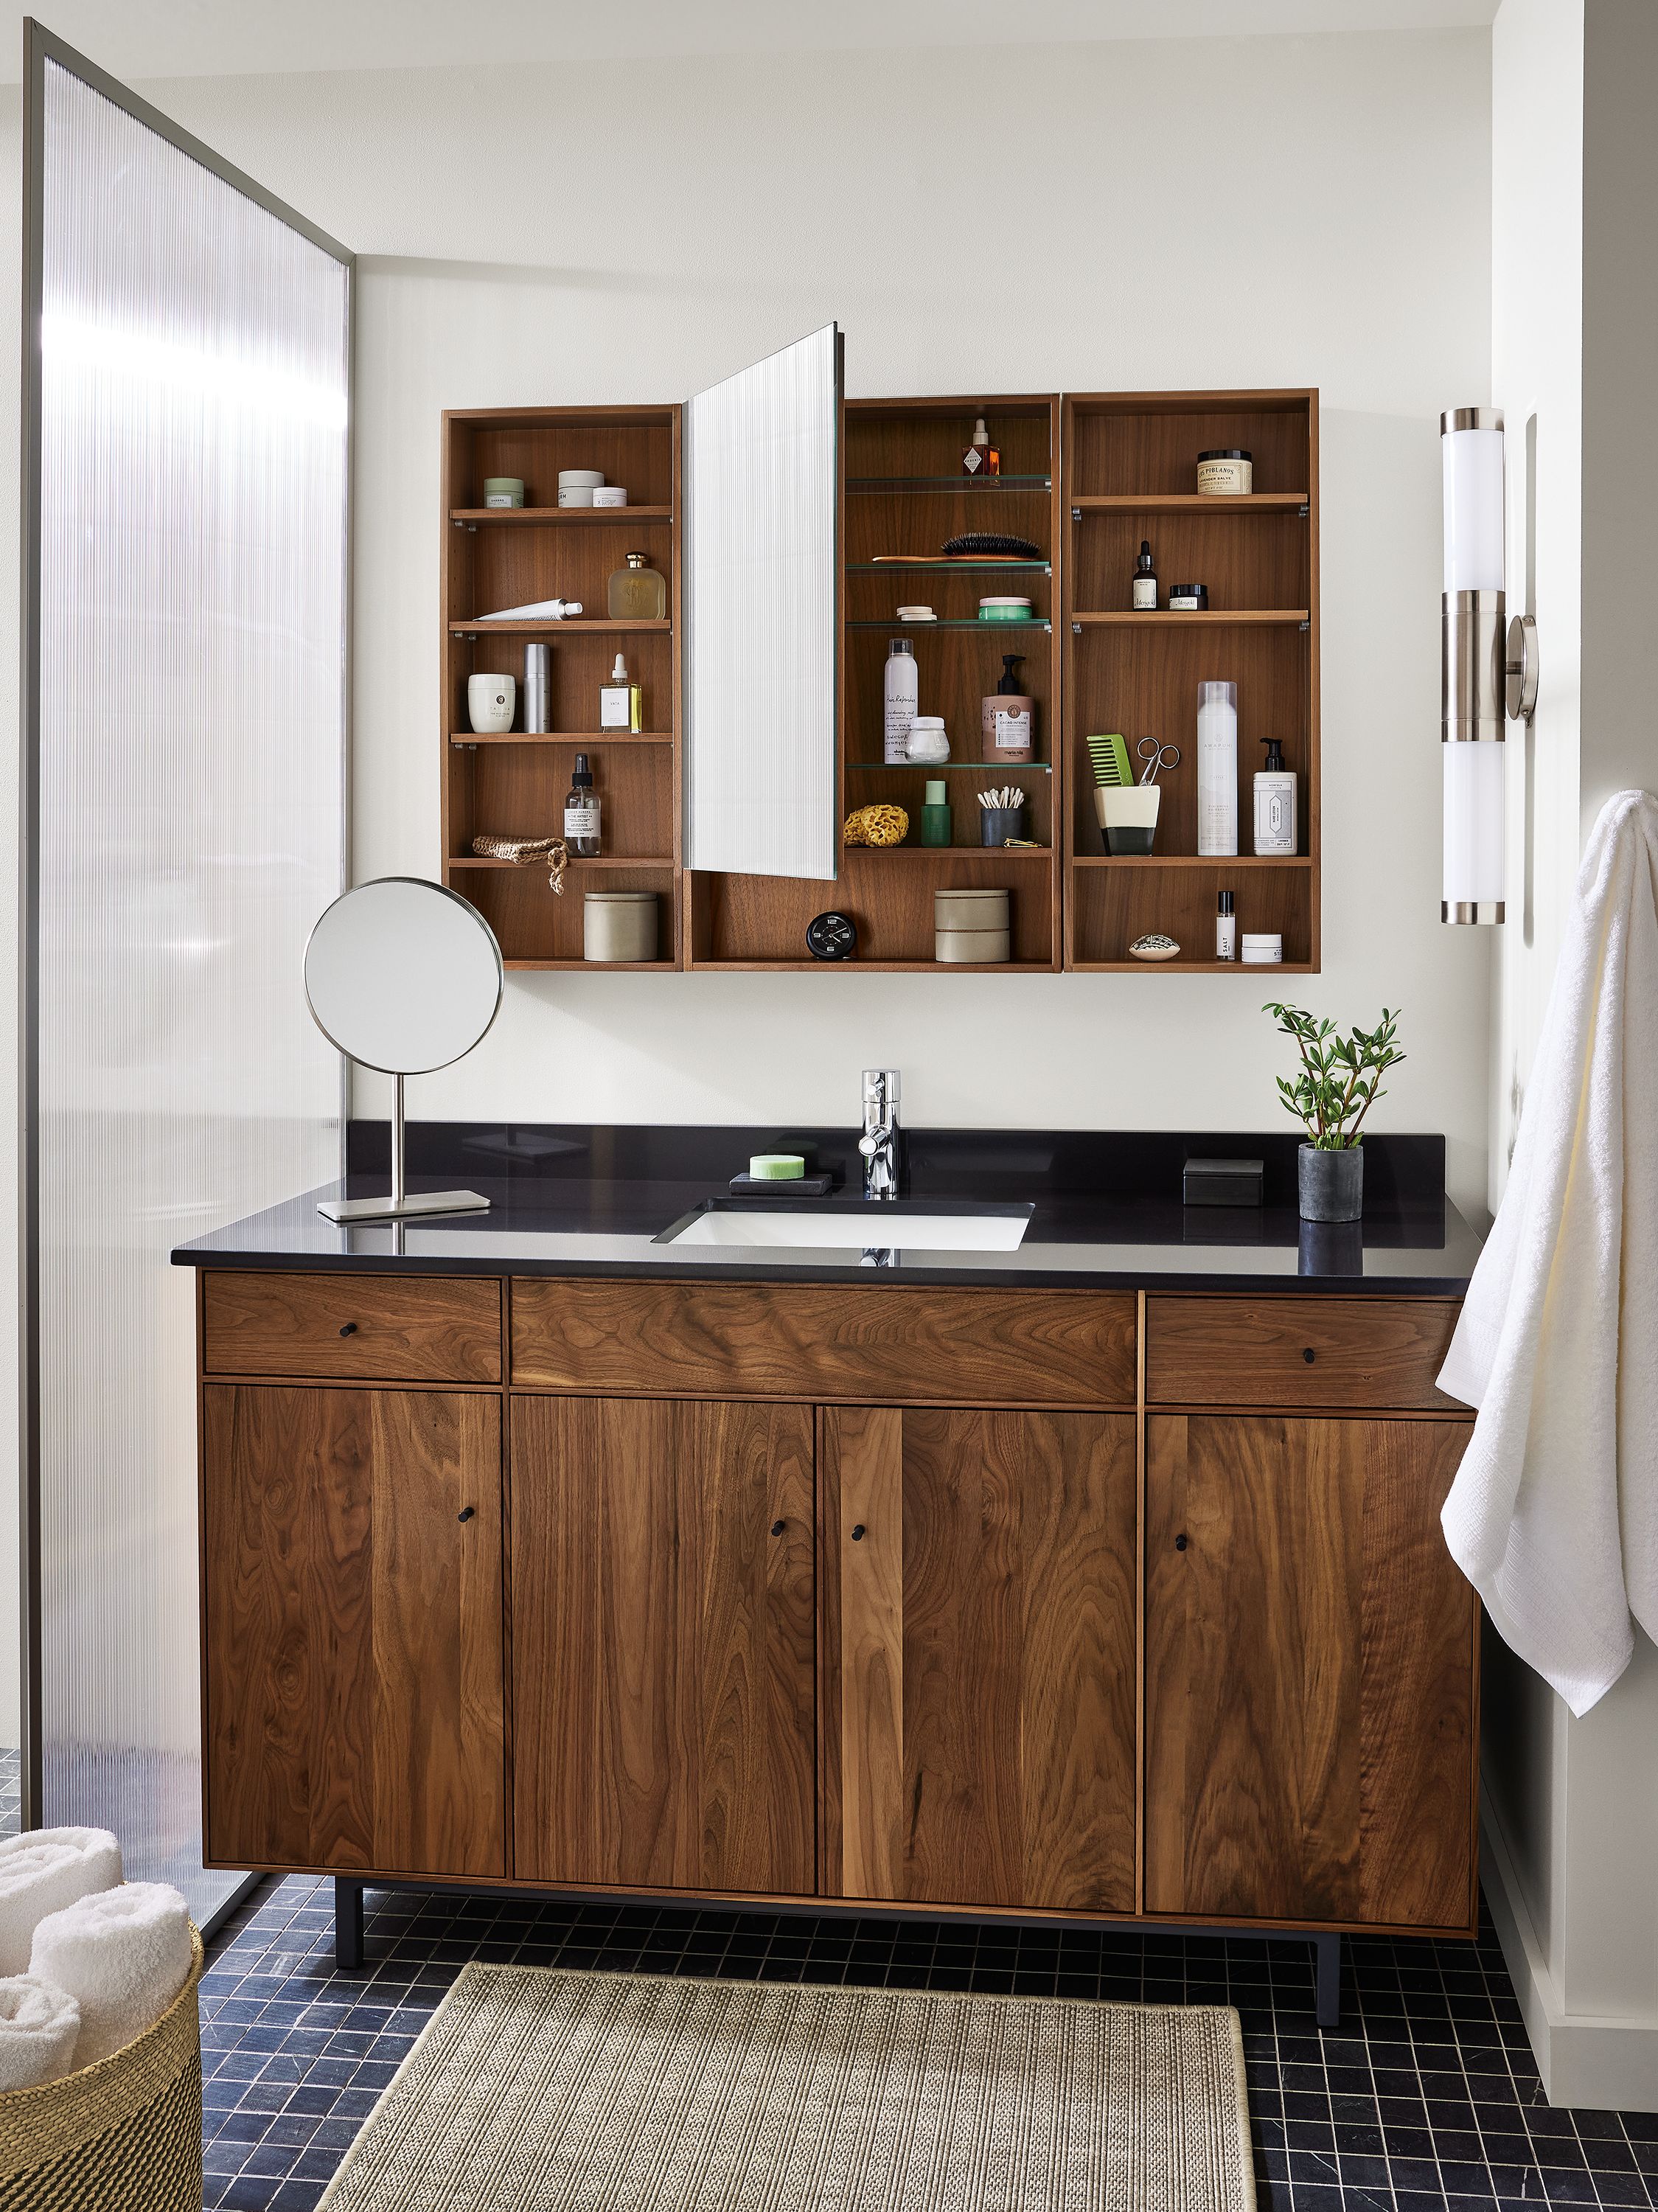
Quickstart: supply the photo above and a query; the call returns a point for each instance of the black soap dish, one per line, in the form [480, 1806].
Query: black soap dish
[1222, 1182]
[811, 1186]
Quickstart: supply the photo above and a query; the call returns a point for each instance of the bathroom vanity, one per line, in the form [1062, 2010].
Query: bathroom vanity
[1099, 1577]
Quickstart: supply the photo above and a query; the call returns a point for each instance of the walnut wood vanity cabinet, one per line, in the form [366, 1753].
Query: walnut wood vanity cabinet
[1024, 1601]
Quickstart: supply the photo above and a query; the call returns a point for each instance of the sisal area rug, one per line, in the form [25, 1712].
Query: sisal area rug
[552, 2090]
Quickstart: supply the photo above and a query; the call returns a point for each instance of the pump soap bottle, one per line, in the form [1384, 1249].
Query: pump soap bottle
[1276, 828]
[1142, 584]
[1007, 717]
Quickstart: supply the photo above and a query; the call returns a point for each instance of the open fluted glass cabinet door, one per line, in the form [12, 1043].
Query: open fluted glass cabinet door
[761, 583]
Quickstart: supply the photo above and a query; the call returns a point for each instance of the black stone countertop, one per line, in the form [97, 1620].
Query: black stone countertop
[1105, 1210]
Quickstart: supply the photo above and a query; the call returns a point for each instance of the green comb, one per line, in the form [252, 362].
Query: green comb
[1112, 769]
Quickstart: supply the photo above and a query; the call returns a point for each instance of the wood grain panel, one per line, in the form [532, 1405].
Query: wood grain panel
[664, 1647]
[1298, 1352]
[354, 1679]
[351, 1328]
[1310, 1672]
[864, 1447]
[983, 1674]
[759, 1339]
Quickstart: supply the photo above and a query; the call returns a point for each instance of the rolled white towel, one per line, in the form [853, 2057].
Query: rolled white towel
[38, 2025]
[123, 1956]
[43, 1870]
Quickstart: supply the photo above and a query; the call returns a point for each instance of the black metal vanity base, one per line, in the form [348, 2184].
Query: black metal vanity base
[1327, 1947]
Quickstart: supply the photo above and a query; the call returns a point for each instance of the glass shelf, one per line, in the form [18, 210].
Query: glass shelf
[960, 567]
[946, 484]
[949, 768]
[970, 621]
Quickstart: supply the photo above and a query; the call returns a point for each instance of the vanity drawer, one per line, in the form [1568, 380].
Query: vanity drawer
[391, 1328]
[1308, 1351]
[891, 1347]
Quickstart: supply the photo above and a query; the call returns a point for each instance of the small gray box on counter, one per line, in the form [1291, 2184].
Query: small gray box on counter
[1222, 1182]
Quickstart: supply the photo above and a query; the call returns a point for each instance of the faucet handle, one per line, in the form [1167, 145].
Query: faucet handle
[881, 1087]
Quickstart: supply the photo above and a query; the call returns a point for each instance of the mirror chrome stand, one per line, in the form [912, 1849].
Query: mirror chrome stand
[401, 1206]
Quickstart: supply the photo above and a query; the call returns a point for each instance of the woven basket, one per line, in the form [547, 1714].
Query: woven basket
[124, 2135]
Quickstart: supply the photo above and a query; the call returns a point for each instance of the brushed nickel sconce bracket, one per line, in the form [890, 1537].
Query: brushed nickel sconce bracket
[1519, 668]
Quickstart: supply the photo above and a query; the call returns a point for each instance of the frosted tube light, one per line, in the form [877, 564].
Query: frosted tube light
[1473, 464]
[1474, 815]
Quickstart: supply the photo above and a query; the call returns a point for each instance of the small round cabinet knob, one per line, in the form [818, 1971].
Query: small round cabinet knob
[858, 1534]
[1180, 1543]
[778, 1527]
[1309, 1355]
[349, 1329]
[466, 1512]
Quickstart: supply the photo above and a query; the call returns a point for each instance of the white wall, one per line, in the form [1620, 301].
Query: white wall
[1257, 211]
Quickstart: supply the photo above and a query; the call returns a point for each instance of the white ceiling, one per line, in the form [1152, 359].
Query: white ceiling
[149, 39]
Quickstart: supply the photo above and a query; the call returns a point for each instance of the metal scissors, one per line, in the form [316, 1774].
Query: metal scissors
[1157, 758]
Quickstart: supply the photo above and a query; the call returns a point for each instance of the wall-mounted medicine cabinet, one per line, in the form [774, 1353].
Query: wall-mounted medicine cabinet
[791, 525]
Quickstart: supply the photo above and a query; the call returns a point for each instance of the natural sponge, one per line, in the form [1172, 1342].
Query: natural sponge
[877, 825]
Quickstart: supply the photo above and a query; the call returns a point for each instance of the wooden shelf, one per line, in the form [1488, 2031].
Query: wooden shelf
[935, 853]
[596, 967]
[559, 517]
[1202, 619]
[1190, 502]
[605, 861]
[877, 967]
[580, 627]
[1190, 860]
[1193, 968]
[558, 738]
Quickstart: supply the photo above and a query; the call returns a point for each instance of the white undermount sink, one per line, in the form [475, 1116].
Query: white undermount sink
[916, 1228]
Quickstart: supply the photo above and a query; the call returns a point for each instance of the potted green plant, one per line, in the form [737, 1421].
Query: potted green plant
[1338, 1081]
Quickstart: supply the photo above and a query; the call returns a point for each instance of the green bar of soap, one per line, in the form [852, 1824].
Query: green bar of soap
[776, 1167]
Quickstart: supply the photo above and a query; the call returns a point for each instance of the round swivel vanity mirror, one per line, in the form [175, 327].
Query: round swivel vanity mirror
[404, 977]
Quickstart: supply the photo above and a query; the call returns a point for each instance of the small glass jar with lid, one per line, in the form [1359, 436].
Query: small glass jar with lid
[638, 593]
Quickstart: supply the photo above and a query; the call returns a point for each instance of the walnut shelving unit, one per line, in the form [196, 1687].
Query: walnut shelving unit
[514, 785]
[1085, 478]
[1129, 462]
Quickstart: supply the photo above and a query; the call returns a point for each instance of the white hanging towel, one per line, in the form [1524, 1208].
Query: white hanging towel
[38, 2025]
[43, 1870]
[1553, 1516]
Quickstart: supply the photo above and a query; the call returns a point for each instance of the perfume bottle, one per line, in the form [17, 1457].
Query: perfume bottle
[620, 702]
[982, 459]
[581, 813]
[638, 593]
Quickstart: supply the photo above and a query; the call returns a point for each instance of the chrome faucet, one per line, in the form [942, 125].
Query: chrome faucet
[879, 1142]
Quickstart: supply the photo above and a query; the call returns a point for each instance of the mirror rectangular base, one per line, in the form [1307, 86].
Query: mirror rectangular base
[400, 1209]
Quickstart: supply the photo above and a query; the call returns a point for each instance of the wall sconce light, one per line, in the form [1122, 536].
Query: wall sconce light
[1486, 669]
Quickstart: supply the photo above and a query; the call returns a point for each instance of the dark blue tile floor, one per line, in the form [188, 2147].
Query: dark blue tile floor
[1424, 2099]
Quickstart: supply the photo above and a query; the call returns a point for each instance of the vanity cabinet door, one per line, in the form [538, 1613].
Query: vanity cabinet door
[664, 1644]
[980, 1742]
[354, 1684]
[1310, 1672]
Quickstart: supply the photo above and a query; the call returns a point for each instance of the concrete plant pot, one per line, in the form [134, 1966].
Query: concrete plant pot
[1332, 1183]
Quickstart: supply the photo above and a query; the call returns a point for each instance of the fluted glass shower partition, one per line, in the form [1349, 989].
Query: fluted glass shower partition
[187, 470]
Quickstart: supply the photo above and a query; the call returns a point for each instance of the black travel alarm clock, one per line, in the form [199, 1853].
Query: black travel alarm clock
[831, 937]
